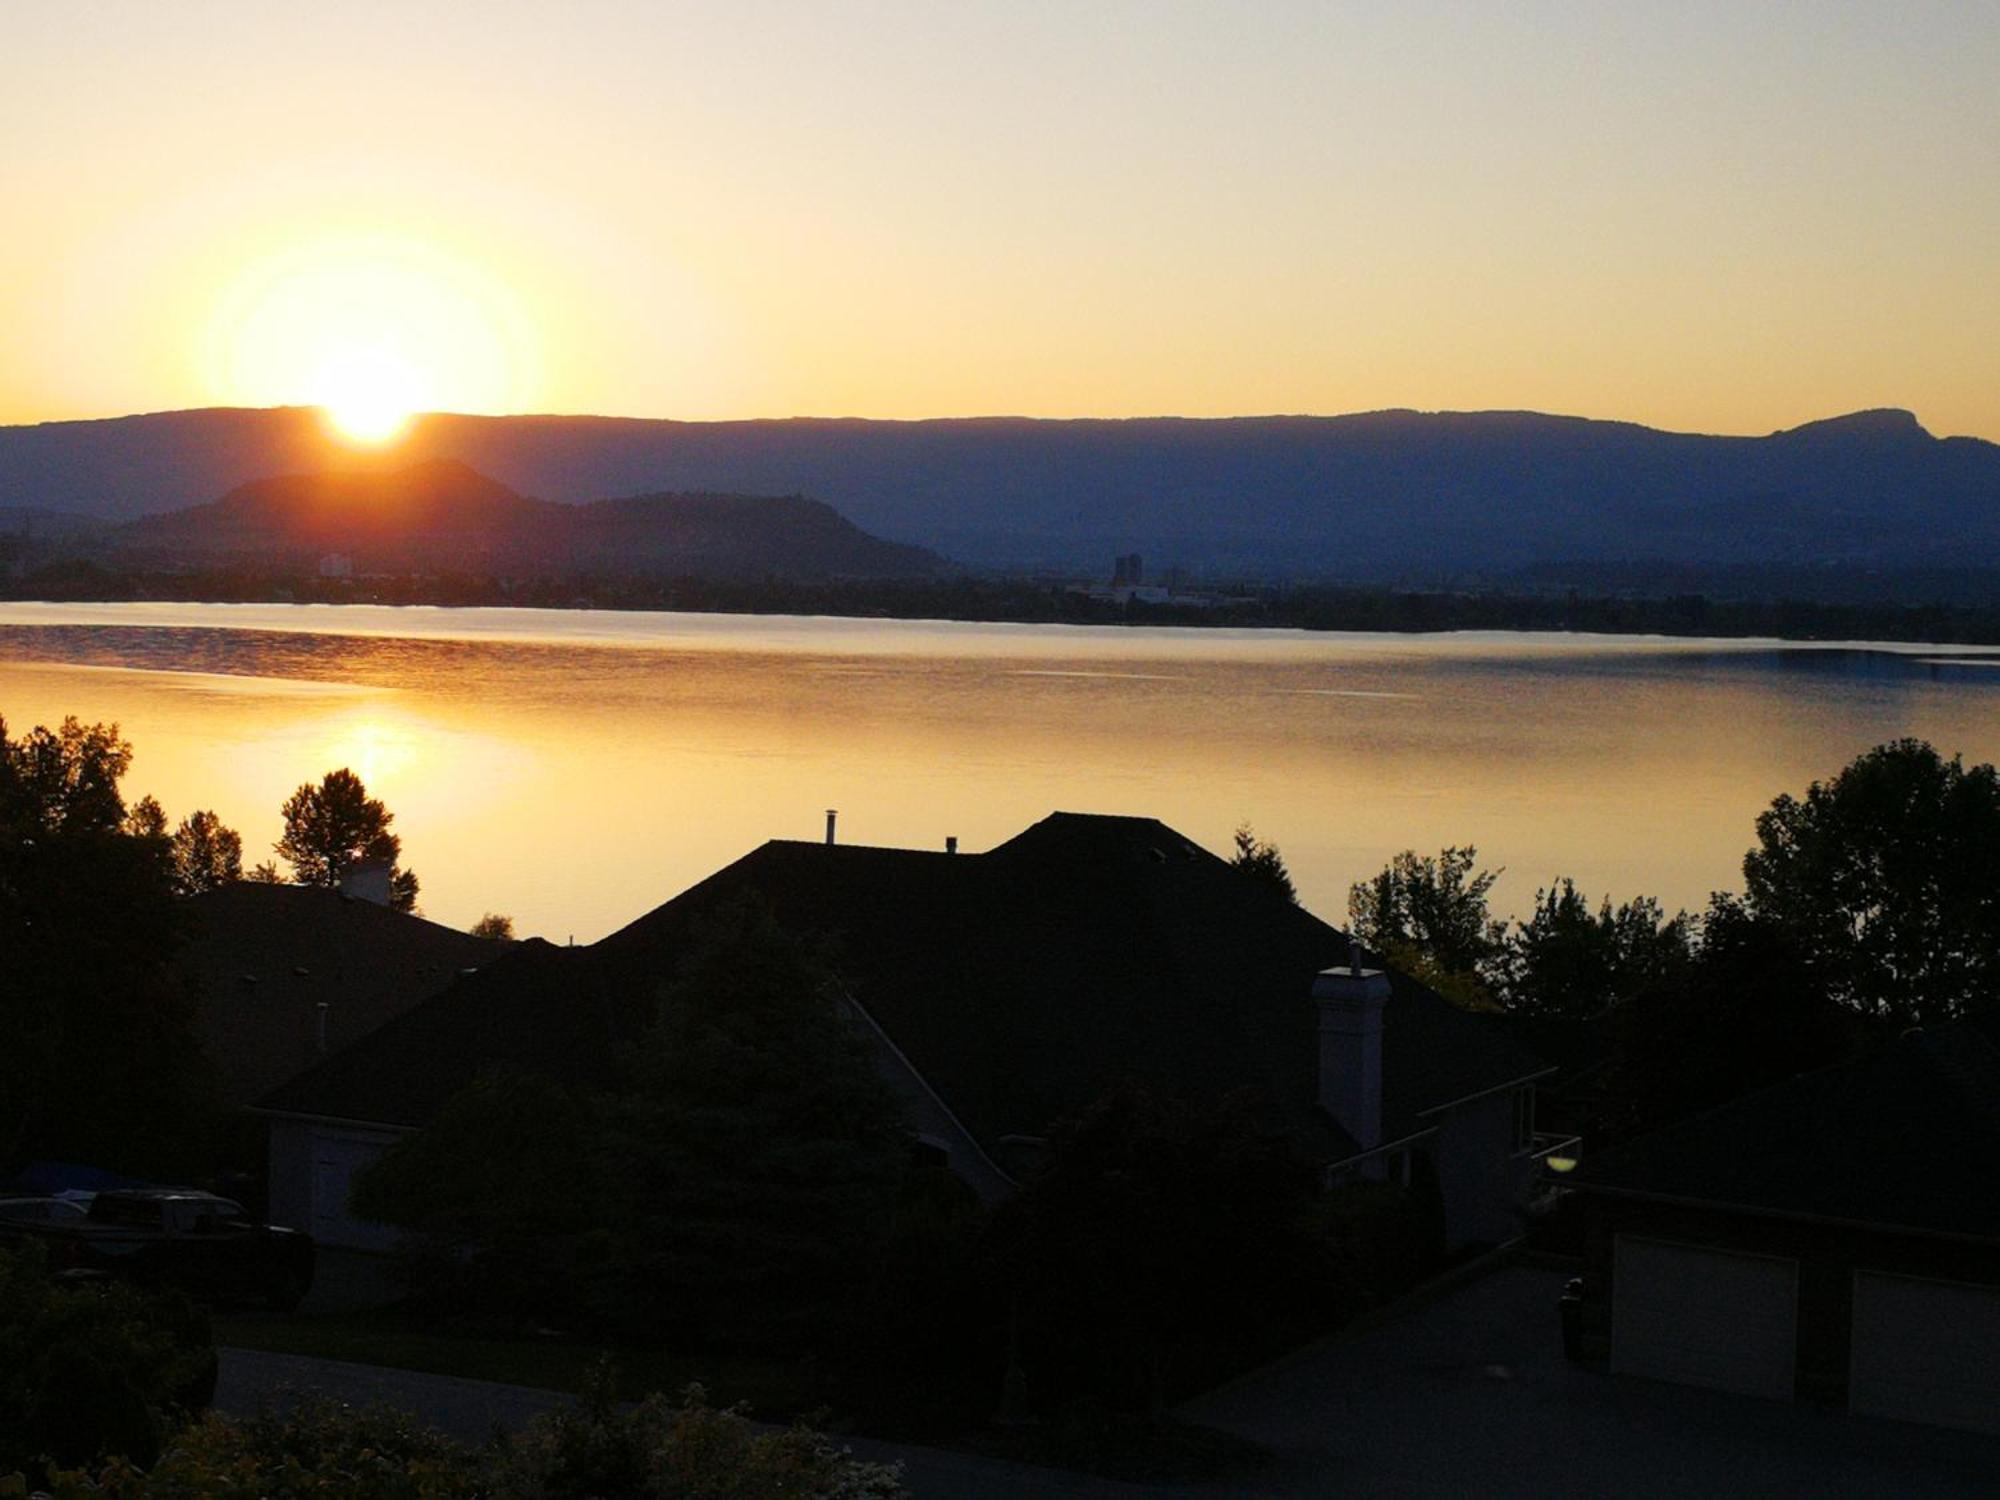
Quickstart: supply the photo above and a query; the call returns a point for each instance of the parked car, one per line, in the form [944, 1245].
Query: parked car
[181, 1237]
[39, 1210]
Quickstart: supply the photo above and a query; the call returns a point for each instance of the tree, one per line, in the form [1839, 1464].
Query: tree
[200, 854]
[503, 1190]
[1569, 962]
[204, 855]
[331, 827]
[734, 1182]
[98, 1059]
[1428, 916]
[494, 926]
[1887, 882]
[1743, 1012]
[65, 780]
[1169, 1240]
[760, 1151]
[1263, 862]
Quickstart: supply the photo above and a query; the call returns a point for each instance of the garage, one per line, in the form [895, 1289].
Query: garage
[338, 1157]
[1926, 1351]
[1705, 1317]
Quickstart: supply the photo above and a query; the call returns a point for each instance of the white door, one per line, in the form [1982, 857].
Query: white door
[1926, 1351]
[1705, 1317]
[337, 1161]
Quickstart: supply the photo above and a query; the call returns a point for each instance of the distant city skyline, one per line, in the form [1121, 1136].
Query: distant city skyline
[1702, 218]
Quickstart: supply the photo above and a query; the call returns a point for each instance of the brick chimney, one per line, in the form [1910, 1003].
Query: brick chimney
[1351, 1001]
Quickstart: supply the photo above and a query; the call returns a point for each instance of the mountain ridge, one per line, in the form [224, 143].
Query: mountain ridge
[442, 515]
[1367, 496]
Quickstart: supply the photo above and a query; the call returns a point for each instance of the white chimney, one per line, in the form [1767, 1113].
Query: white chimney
[366, 880]
[1351, 1001]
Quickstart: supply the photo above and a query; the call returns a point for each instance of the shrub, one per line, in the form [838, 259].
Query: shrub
[90, 1367]
[679, 1450]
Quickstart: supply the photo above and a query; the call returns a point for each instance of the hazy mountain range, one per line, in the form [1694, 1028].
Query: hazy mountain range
[1383, 495]
[439, 515]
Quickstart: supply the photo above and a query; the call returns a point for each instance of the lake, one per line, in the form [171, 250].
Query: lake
[575, 768]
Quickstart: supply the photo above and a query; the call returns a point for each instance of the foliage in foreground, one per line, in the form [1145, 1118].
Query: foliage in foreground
[92, 1366]
[658, 1450]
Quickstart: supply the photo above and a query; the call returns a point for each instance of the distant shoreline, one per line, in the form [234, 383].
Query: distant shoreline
[1034, 602]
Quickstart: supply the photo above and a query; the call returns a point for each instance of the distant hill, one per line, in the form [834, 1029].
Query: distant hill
[1380, 496]
[442, 515]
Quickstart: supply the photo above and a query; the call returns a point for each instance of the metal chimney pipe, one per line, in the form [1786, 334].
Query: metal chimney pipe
[831, 814]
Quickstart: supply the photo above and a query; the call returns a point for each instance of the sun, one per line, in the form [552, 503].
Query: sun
[368, 395]
[371, 329]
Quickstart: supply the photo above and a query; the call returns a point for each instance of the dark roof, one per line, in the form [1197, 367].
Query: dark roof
[1907, 1138]
[1021, 983]
[260, 958]
[554, 1011]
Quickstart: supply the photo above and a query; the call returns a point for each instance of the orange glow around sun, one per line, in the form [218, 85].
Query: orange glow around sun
[371, 329]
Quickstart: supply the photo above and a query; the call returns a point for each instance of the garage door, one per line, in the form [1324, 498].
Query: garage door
[1705, 1317]
[1926, 1351]
[337, 1161]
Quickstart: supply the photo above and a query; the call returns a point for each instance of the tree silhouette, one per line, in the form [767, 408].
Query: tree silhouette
[203, 855]
[334, 826]
[199, 855]
[1567, 961]
[1427, 915]
[98, 1059]
[494, 925]
[1887, 882]
[1262, 861]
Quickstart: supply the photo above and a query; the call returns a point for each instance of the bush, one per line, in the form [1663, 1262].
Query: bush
[659, 1450]
[684, 1450]
[90, 1367]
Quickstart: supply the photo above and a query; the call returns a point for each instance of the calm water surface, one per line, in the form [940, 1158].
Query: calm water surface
[574, 769]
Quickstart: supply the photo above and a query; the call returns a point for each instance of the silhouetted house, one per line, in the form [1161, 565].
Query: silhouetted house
[1005, 991]
[284, 976]
[1835, 1238]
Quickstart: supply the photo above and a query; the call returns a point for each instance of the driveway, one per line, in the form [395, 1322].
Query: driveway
[1470, 1395]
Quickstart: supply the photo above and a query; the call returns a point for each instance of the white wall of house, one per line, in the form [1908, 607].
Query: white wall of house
[313, 1167]
[1483, 1171]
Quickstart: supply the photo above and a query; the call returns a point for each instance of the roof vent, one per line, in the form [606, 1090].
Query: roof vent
[951, 843]
[831, 814]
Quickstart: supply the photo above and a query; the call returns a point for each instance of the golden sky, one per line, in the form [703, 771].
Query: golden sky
[1722, 217]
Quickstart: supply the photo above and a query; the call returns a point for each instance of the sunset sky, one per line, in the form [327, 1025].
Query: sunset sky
[1710, 216]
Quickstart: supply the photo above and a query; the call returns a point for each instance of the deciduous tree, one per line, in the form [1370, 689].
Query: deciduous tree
[1886, 880]
[98, 1060]
[333, 826]
[1427, 915]
[1570, 962]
